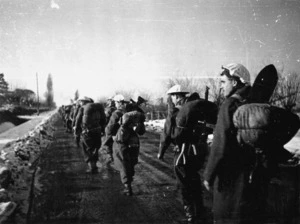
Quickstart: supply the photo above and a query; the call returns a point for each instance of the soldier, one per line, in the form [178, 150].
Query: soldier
[228, 164]
[73, 109]
[136, 106]
[109, 109]
[78, 131]
[67, 118]
[113, 126]
[91, 120]
[128, 146]
[188, 159]
[165, 137]
[61, 111]
[141, 101]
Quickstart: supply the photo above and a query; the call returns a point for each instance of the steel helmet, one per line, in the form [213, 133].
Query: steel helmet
[86, 99]
[119, 98]
[238, 70]
[176, 89]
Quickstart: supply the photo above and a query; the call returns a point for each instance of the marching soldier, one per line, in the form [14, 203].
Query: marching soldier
[136, 106]
[78, 131]
[109, 109]
[228, 164]
[67, 118]
[113, 126]
[91, 120]
[188, 159]
[128, 146]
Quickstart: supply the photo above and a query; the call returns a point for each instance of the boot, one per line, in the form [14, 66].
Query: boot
[127, 190]
[189, 213]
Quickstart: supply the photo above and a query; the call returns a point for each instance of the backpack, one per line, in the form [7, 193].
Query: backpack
[194, 119]
[68, 109]
[93, 116]
[126, 133]
[108, 112]
[261, 124]
[135, 118]
[258, 123]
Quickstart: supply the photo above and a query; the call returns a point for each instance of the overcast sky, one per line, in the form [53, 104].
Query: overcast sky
[97, 46]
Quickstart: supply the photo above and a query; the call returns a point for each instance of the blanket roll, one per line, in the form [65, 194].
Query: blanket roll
[261, 124]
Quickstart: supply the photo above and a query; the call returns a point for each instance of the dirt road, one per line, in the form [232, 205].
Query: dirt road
[64, 193]
[68, 195]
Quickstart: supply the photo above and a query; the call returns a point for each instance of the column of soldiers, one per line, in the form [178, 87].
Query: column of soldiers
[120, 122]
[238, 175]
[236, 197]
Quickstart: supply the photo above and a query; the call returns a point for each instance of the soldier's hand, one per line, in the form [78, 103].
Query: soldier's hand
[206, 185]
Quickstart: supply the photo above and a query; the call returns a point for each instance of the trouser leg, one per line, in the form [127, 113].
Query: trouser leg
[184, 188]
[69, 126]
[90, 146]
[189, 183]
[122, 162]
[108, 147]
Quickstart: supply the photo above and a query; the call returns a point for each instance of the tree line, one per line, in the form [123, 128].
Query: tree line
[25, 97]
[286, 94]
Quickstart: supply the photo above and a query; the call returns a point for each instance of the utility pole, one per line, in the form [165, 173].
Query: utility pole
[206, 93]
[37, 91]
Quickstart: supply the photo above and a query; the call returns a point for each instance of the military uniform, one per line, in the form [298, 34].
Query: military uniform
[188, 160]
[165, 137]
[77, 133]
[238, 175]
[109, 109]
[127, 148]
[67, 118]
[111, 130]
[91, 133]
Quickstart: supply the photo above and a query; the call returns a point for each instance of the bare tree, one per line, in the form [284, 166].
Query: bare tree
[3, 89]
[3, 84]
[22, 97]
[215, 94]
[287, 92]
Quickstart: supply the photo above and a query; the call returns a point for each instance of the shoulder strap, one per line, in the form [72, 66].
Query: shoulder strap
[239, 98]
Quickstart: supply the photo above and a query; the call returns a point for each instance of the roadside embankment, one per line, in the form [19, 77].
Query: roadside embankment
[20, 149]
